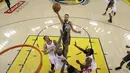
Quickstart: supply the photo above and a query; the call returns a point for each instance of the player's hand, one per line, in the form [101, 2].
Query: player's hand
[56, 12]
[127, 46]
[77, 61]
[75, 44]
[128, 52]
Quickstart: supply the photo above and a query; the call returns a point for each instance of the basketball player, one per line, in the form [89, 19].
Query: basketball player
[8, 4]
[85, 68]
[61, 62]
[90, 64]
[125, 59]
[49, 48]
[71, 69]
[66, 28]
[55, 53]
[59, 58]
[112, 5]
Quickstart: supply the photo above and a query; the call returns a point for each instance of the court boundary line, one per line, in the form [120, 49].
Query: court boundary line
[17, 55]
[26, 45]
[114, 25]
[104, 55]
[27, 56]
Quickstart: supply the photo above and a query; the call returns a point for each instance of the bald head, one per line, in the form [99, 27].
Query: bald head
[59, 51]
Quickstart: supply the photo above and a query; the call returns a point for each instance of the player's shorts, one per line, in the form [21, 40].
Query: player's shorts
[52, 59]
[109, 5]
[113, 10]
[126, 58]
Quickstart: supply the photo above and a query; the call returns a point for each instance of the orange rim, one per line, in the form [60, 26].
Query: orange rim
[26, 45]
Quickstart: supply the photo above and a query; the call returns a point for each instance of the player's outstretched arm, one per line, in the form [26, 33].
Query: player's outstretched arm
[74, 29]
[127, 46]
[81, 65]
[81, 49]
[61, 20]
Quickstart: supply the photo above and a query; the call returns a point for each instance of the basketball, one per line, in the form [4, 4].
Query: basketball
[56, 7]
